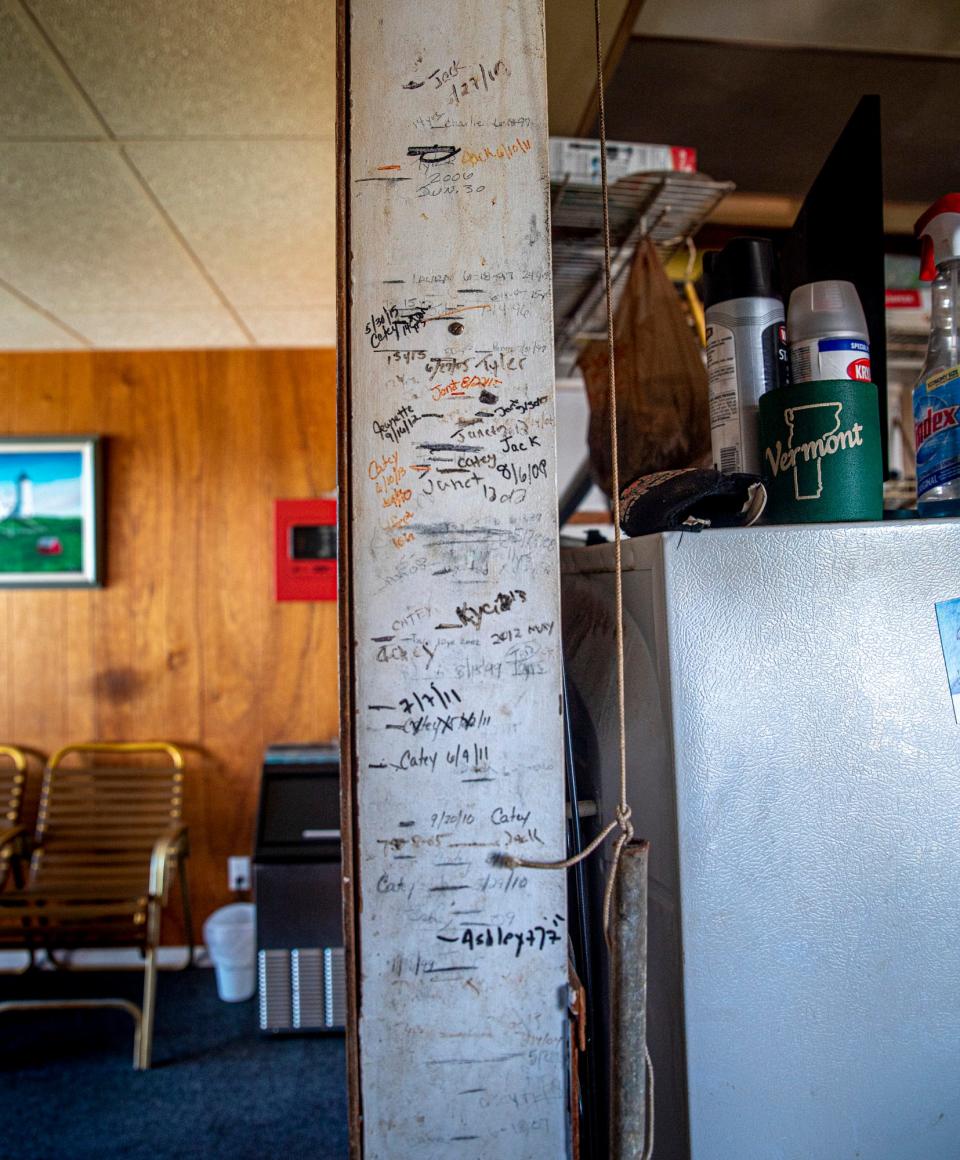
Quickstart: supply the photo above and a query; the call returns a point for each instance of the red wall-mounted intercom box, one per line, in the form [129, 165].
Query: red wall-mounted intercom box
[306, 547]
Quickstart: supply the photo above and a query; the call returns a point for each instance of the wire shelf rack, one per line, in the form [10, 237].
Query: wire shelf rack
[666, 207]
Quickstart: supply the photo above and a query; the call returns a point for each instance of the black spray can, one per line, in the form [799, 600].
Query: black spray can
[746, 347]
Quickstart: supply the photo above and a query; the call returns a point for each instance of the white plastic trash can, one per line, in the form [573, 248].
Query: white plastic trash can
[230, 935]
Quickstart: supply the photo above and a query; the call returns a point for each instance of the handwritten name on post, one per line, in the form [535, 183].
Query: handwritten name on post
[458, 690]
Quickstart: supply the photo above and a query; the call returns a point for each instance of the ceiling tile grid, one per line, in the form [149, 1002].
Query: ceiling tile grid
[155, 330]
[23, 327]
[258, 214]
[76, 231]
[167, 173]
[293, 327]
[201, 68]
[35, 103]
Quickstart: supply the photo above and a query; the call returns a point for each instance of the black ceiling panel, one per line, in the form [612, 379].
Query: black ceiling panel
[766, 118]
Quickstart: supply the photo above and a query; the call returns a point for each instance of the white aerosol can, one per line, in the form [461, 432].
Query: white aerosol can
[746, 347]
[828, 333]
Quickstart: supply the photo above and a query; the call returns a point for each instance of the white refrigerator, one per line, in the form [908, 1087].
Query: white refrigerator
[794, 759]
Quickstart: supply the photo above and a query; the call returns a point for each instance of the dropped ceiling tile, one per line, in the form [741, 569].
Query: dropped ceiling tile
[35, 100]
[79, 236]
[260, 215]
[316, 327]
[161, 330]
[183, 69]
[23, 328]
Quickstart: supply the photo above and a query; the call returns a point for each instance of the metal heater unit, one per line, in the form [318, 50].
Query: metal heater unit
[296, 876]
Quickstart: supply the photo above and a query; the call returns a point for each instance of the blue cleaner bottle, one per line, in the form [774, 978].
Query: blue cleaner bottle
[936, 397]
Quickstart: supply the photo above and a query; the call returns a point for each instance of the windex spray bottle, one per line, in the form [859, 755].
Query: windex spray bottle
[936, 397]
[746, 347]
[828, 333]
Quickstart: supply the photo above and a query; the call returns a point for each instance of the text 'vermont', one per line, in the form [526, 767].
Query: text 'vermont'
[784, 460]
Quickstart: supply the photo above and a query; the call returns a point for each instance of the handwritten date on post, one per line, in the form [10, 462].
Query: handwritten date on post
[463, 80]
[386, 472]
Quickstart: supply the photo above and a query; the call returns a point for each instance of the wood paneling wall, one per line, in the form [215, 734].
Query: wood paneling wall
[186, 641]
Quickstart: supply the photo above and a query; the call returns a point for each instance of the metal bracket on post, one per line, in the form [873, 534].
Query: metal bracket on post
[628, 1006]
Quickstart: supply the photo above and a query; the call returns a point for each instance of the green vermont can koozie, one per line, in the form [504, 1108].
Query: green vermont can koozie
[821, 453]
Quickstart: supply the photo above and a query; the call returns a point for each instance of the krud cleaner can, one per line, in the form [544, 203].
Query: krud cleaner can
[828, 333]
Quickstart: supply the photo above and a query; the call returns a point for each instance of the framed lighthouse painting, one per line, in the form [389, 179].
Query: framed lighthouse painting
[50, 503]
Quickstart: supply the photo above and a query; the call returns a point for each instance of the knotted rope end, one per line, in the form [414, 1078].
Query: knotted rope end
[503, 861]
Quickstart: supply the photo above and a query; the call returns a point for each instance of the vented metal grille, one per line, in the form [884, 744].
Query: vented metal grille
[302, 989]
[335, 987]
[306, 970]
[273, 971]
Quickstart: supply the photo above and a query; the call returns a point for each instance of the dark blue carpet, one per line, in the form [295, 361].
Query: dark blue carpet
[68, 1090]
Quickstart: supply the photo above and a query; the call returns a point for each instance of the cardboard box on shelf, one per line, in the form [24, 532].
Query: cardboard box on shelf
[578, 158]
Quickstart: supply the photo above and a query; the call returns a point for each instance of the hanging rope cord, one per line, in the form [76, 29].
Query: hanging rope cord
[623, 814]
[622, 820]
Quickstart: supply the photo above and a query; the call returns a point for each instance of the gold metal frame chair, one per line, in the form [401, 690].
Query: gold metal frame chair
[109, 842]
[13, 837]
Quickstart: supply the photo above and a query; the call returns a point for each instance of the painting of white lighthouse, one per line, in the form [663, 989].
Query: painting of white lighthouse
[48, 512]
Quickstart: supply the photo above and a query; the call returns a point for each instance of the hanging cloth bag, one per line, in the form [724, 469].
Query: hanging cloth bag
[663, 419]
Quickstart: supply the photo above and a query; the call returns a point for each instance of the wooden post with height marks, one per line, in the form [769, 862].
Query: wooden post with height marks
[453, 744]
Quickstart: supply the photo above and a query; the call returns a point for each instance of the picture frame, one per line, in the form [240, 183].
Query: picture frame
[948, 621]
[51, 506]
